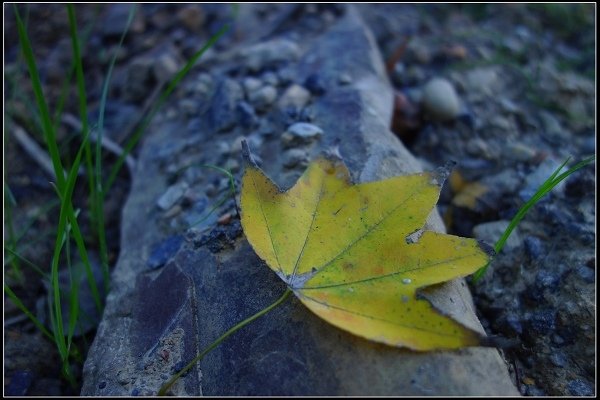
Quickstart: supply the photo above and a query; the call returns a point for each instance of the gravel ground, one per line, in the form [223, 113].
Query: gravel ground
[505, 91]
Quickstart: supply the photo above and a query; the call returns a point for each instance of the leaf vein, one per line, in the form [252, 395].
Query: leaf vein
[370, 230]
[262, 211]
[374, 278]
[381, 319]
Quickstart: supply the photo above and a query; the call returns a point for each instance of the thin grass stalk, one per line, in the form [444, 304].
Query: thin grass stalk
[100, 228]
[553, 180]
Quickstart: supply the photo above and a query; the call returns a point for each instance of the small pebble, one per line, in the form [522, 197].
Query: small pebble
[20, 382]
[247, 116]
[490, 232]
[578, 387]
[173, 194]
[558, 359]
[440, 100]
[263, 97]
[224, 219]
[270, 78]
[587, 274]
[295, 96]
[251, 84]
[542, 322]
[534, 247]
[344, 79]
[295, 157]
[300, 133]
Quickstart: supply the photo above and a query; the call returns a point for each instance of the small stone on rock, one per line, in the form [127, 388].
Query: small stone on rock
[300, 133]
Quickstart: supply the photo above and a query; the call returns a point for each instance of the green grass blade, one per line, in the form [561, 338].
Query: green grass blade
[66, 213]
[64, 91]
[82, 102]
[42, 211]
[9, 203]
[163, 97]
[544, 189]
[48, 128]
[99, 212]
[15, 299]
[88, 158]
[74, 284]
[26, 261]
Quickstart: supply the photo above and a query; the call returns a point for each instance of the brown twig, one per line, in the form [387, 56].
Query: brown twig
[107, 143]
[34, 150]
[397, 55]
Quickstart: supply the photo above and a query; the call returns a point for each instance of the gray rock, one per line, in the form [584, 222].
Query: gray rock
[295, 157]
[191, 16]
[262, 98]
[294, 96]
[20, 383]
[115, 21]
[251, 85]
[221, 115]
[538, 177]
[166, 66]
[344, 79]
[553, 129]
[490, 232]
[270, 78]
[173, 194]
[579, 387]
[202, 84]
[440, 100]
[482, 80]
[163, 251]
[518, 151]
[269, 54]
[300, 133]
[246, 114]
[140, 79]
[155, 322]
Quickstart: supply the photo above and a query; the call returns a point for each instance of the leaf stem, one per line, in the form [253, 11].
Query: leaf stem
[163, 390]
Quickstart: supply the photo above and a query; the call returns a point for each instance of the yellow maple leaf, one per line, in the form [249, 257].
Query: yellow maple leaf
[355, 254]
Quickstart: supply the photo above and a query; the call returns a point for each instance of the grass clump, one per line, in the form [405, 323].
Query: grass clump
[66, 167]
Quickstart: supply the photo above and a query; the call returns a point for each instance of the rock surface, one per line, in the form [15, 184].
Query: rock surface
[158, 319]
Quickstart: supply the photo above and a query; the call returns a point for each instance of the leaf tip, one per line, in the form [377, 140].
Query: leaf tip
[486, 248]
[498, 342]
[333, 152]
[442, 173]
[246, 155]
